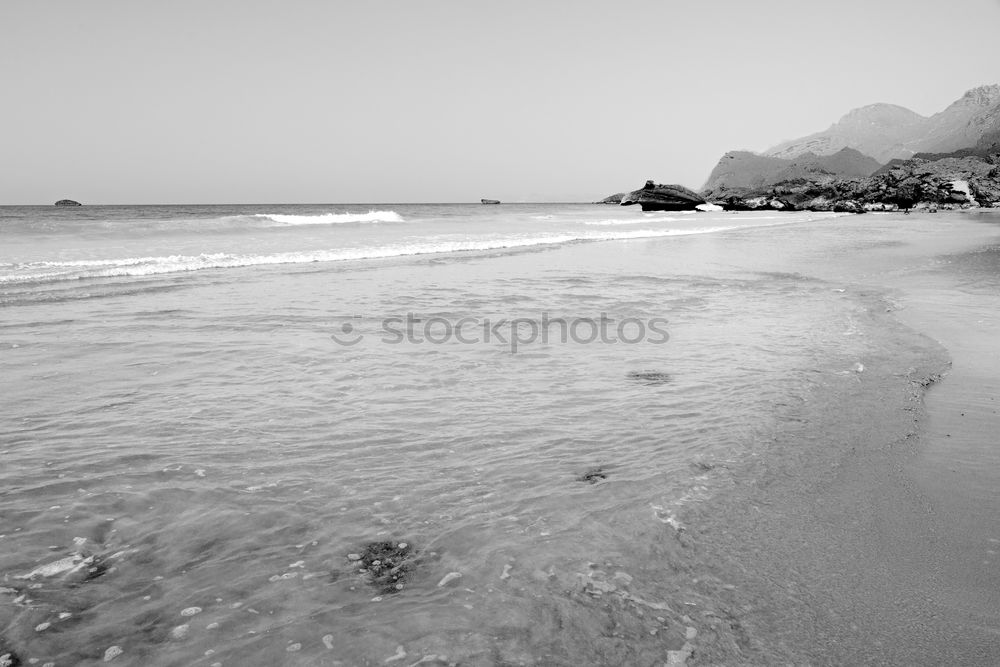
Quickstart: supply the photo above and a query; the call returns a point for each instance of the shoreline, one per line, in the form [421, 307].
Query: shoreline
[879, 559]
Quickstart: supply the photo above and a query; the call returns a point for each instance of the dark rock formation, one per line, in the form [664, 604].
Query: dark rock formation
[490, 201]
[593, 476]
[613, 199]
[386, 564]
[969, 176]
[656, 197]
[951, 182]
[68, 202]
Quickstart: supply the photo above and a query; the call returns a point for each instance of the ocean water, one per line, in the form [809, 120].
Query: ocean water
[209, 413]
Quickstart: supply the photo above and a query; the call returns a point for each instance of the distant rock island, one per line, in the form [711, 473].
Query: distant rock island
[68, 202]
[490, 201]
[948, 160]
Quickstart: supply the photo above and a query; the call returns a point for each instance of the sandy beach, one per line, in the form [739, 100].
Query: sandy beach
[887, 550]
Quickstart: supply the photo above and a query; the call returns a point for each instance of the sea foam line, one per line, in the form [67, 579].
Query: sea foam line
[145, 266]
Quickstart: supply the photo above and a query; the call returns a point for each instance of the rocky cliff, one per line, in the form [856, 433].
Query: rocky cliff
[954, 181]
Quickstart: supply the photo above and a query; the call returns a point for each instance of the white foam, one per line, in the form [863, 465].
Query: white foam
[332, 218]
[146, 266]
[645, 220]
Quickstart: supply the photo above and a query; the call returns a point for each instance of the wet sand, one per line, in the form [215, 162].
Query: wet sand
[882, 548]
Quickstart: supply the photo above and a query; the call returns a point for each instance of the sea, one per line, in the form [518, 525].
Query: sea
[399, 434]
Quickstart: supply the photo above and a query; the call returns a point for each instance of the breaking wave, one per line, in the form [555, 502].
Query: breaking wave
[50, 271]
[145, 266]
[331, 218]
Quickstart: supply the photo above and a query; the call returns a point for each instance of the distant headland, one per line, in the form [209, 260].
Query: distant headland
[68, 202]
[881, 157]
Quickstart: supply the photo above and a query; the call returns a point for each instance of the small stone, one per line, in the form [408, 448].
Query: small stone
[448, 578]
[63, 615]
[42, 626]
[399, 655]
[328, 642]
[191, 611]
[292, 648]
[180, 632]
[691, 632]
[506, 572]
[402, 545]
[112, 653]
[212, 626]
[353, 556]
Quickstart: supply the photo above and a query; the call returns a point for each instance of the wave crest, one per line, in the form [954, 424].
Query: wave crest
[331, 218]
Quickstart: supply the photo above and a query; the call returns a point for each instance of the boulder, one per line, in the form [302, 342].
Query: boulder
[848, 206]
[656, 197]
[68, 202]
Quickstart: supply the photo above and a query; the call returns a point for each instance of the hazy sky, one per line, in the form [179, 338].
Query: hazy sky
[228, 101]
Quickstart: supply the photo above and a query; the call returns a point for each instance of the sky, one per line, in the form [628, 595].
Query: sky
[325, 101]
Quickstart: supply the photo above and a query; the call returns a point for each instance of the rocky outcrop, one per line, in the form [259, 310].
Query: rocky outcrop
[655, 197]
[952, 182]
[831, 170]
[68, 202]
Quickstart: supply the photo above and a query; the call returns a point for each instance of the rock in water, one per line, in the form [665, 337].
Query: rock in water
[7, 656]
[387, 564]
[655, 197]
[68, 202]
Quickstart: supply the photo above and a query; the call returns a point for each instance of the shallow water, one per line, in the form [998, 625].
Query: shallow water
[204, 436]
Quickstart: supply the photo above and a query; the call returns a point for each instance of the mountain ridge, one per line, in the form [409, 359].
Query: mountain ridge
[890, 131]
[949, 159]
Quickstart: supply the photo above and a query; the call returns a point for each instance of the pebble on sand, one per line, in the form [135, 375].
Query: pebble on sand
[399, 655]
[292, 648]
[180, 632]
[112, 653]
[448, 578]
[328, 642]
[191, 611]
